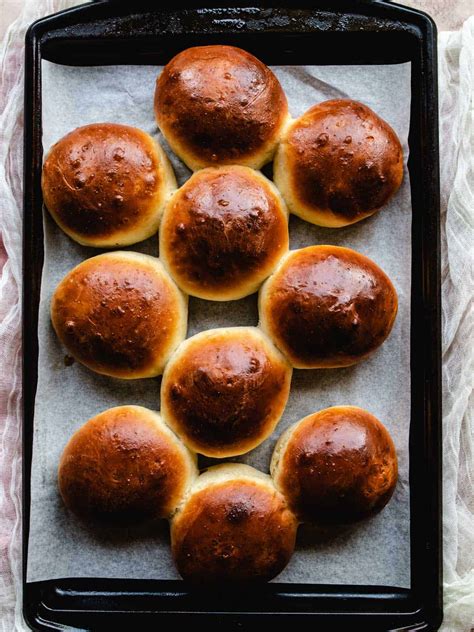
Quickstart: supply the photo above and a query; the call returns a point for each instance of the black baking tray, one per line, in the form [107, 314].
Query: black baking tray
[345, 32]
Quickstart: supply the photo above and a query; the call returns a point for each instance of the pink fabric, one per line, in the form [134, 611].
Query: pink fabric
[3, 258]
[10, 344]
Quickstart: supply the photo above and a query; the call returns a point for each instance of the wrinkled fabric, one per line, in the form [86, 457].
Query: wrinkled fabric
[456, 81]
[456, 91]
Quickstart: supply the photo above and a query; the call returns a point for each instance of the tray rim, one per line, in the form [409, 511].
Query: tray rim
[32, 197]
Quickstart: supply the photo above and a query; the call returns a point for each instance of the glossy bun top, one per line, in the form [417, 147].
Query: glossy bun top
[327, 307]
[106, 184]
[338, 163]
[120, 314]
[224, 390]
[223, 232]
[338, 465]
[233, 527]
[220, 105]
[125, 466]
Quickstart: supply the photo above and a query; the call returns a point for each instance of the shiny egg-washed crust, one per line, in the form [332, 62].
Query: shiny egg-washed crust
[338, 163]
[224, 390]
[125, 466]
[233, 527]
[223, 232]
[120, 314]
[106, 184]
[327, 307]
[336, 466]
[220, 105]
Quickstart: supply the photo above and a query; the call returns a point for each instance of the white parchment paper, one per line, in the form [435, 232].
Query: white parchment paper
[375, 552]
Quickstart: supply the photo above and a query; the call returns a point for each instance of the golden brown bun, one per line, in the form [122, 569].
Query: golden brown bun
[106, 185]
[233, 527]
[220, 105]
[338, 163]
[120, 314]
[338, 465]
[224, 390]
[125, 466]
[223, 233]
[327, 307]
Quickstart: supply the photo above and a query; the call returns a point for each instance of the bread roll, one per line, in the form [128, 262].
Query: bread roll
[120, 314]
[233, 527]
[224, 390]
[125, 466]
[223, 233]
[327, 307]
[106, 185]
[338, 163]
[337, 466]
[220, 105]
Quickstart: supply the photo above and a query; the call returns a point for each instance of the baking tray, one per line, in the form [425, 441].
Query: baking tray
[318, 32]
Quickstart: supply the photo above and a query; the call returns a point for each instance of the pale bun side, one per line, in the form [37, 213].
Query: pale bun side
[225, 472]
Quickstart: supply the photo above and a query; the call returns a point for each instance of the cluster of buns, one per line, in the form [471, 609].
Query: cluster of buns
[230, 523]
[224, 235]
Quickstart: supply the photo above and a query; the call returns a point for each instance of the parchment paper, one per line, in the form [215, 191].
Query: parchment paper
[375, 552]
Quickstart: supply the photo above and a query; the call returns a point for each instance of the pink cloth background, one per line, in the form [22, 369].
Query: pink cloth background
[456, 135]
[11, 136]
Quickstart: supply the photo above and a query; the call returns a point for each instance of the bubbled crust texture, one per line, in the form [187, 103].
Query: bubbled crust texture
[339, 163]
[339, 466]
[233, 532]
[225, 391]
[223, 233]
[120, 314]
[105, 184]
[123, 467]
[220, 105]
[328, 307]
